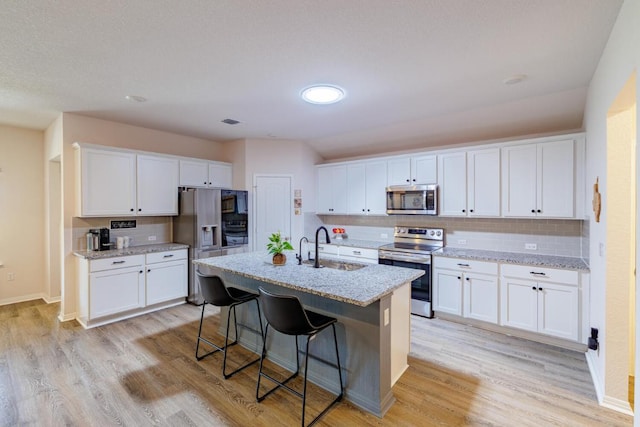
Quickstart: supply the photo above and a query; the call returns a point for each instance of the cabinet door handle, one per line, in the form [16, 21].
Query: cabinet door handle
[463, 265]
[118, 262]
[539, 289]
[168, 256]
[535, 273]
[356, 252]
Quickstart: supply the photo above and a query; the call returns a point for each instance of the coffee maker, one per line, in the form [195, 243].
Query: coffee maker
[104, 239]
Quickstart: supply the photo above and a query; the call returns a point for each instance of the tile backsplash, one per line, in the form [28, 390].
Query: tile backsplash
[160, 227]
[551, 236]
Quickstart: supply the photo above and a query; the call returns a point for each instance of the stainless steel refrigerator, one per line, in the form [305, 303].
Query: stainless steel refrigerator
[198, 225]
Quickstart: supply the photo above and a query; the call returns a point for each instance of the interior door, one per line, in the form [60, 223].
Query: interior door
[272, 208]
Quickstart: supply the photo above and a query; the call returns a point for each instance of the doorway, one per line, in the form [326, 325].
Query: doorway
[272, 208]
[621, 191]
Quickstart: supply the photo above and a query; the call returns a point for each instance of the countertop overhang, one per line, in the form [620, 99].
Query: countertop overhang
[359, 287]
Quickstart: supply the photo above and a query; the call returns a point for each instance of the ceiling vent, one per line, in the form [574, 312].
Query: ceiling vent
[230, 121]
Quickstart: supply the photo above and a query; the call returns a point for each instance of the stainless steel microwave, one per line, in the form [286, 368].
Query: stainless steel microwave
[412, 199]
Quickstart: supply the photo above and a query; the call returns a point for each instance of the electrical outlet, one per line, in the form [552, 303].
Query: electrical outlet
[462, 241]
[152, 238]
[11, 276]
[384, 235]
[531, 246]
[601, 249]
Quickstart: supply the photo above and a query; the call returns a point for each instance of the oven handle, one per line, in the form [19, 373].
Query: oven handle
[406, 258]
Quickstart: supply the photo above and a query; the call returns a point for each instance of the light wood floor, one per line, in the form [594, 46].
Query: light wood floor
[142, 371]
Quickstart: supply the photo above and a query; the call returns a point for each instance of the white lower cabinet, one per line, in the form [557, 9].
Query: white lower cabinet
[542, 300]
[466, 288]
[112, 289]
[166, 276]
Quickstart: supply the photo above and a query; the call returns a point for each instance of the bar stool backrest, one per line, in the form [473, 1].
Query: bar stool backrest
[285, 313]
[214, 291]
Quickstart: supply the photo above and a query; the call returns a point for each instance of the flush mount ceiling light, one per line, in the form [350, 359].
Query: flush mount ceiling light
[135, 98]
[323, 94]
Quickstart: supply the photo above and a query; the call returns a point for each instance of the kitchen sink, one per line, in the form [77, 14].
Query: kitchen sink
[337, 265]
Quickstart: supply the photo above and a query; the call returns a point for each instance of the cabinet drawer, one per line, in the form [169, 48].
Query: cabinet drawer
[363, 254]
[542, 274]
[116, 262]
[155, 257]
[466, 265]
[327, 249]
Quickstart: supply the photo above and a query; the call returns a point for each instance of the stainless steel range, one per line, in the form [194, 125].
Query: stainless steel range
[411, 248]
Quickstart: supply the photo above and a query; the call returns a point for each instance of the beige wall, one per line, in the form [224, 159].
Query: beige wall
[21, 214]
[619, 60]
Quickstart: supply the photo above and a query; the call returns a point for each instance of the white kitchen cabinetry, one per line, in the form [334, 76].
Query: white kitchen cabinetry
[470, 183]
[122, 183]
[332, 189]
[116, 288]
[366, 184]
[351, 253]
[166, 275]
[542, 300]
[115, 285]
[466, 288]
[539, 180]
[412, 170]
[201, 173]
[107, 183]
[157, 185]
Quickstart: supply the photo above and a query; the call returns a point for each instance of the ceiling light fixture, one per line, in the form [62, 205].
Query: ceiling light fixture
[323, 94]
[516, 78]
[135, 98]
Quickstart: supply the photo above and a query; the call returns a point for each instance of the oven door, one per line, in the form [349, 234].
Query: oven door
[420, 287]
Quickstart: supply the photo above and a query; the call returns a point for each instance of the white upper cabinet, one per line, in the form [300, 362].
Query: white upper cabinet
[366, 184]
[332, 189]
[201, 173]
[157, 185]
[107, 183]
[412, 170]
[539, 180]
[483, 182]
[452, 181]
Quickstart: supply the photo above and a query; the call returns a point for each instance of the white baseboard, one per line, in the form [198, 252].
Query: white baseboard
[67, 317]
[51, 300]
[604, 400]
[21, 298]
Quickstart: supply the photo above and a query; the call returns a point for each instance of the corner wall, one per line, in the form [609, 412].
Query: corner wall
[617, 63]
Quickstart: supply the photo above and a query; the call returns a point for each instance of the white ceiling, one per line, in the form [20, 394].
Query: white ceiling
[417, 73]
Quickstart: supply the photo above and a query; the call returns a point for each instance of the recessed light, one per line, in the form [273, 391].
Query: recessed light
[516, 78]
[135, 98]
[323, 94]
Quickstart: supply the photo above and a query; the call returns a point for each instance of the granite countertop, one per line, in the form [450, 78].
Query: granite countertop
[551, 261]
[359, 287]
[133, 250]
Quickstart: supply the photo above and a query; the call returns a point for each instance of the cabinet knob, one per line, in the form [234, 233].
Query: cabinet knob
[470, 210]
[141, 271]
[407, 180]
[533, 211]
[205, 183]
[464, 210]
[534, 288]
[459, 277]
[467, 279]
[139, 209]
[539, 289]
[368, 210]
[131, 209]
[539, 211]
[149, 271]
[209, 183]
[414, 180]
[362, 210]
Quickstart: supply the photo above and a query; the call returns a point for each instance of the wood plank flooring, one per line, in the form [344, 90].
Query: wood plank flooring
[142, 371]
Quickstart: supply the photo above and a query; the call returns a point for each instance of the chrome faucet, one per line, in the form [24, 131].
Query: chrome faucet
[299, 255]
[316, 264]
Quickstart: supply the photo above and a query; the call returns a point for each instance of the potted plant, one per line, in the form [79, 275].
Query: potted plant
[277, 246]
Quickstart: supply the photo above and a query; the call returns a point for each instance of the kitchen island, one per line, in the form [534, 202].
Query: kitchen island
[372, 305]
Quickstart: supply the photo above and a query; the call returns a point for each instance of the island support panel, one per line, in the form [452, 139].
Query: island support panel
[364, 344]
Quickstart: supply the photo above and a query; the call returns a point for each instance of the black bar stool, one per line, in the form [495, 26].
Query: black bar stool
[216, 293]
[286, 315]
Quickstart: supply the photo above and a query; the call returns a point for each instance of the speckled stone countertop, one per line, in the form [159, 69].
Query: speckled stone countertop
[368, 244]
[550, 261]
[359, 287]
[133, 250]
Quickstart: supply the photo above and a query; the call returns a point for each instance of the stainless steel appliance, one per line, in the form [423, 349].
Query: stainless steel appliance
[411, 248]
[412, 199]
[198, 225]
[234, 218]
